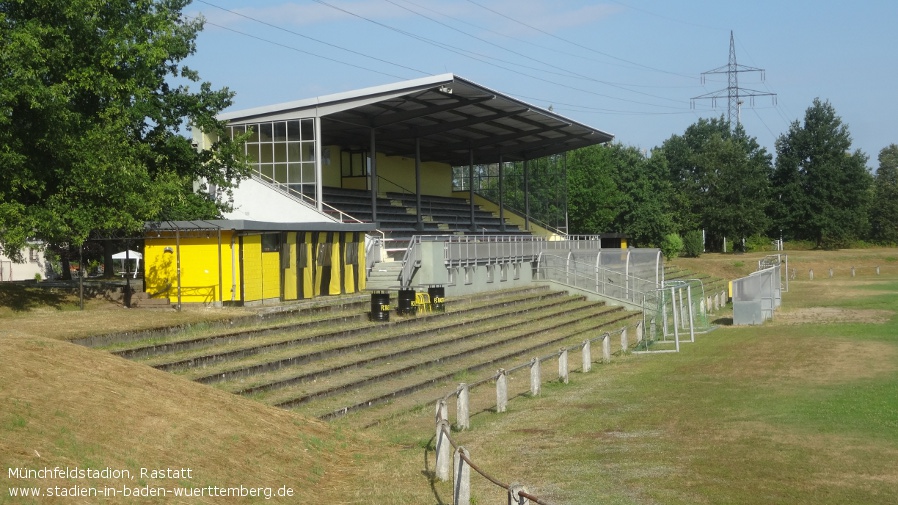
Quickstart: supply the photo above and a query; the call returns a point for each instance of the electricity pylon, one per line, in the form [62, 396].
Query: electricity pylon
[733, 92]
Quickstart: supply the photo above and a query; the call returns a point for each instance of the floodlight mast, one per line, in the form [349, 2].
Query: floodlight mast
[733, 92]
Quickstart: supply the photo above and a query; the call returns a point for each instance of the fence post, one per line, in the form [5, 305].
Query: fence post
[535, 379]
[606, 348]
[691, 318]
[441, 469]
[639, 332]
[624, 340]
[811, 274]
[501, 390]
[562, 366]
[442, 411]
[462, 487]
[514, 494]
[587, 356]
[462, 416]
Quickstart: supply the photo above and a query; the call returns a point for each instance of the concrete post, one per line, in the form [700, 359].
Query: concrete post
[514, 497]
[639, 332]
[587, 356]
[462, 412]
[462, 487]
[501, 391]
[535, 379]
[877, 269]
[652, 329]
[442, 411]
[624, 340]
[830, 273]
[701, 307]
[852, 271]
[811, 274]
[606, 348]
[562, 366]
[441, 469]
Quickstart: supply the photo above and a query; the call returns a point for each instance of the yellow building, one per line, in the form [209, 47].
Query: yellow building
[248, 262]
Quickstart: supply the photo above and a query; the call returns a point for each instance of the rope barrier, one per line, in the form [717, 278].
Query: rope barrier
[494, 480]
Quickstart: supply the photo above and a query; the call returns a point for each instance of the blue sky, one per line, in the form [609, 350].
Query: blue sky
[628, 67]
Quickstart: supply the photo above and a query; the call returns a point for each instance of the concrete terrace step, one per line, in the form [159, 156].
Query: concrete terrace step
[327, 360]
[485, 347]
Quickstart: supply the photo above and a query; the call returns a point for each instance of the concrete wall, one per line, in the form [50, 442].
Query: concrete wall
[475, 280]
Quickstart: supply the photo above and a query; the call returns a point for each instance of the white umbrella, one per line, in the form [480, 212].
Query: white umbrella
[129, 254]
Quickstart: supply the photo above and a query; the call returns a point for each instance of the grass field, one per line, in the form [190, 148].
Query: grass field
[801, 410]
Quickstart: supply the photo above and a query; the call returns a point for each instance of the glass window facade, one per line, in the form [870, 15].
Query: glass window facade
[282, 152]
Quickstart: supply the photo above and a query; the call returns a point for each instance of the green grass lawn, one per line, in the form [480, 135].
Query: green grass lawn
[781, 413]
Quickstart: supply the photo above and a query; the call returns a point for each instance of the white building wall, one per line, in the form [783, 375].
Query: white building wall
[256, 201]
[34, 263]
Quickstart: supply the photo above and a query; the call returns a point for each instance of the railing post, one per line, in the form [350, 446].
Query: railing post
[587, 356]
[514, 494]
[535, 379]
[606, 348]
[501, 390]
[562, 366]
[691, 318]
[624, 340]
[462, 416]
[462, 488]
[442, 411]
[441, 469]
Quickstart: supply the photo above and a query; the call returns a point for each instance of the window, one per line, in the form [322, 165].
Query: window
[271, 242]
[34, 255]
[281, 152]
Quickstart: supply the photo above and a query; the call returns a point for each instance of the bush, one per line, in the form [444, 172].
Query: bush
[671, 245]
[693, 244]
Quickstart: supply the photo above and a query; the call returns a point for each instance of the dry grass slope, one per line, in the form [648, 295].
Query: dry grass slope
[68, 406]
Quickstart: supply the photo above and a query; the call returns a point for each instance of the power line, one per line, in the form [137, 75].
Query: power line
[519, 40]
[567, 73]
[481, 58]
[309, 38]
[581, 46]
[285, 46]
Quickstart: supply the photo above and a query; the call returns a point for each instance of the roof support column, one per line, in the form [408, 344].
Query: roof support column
[501, 193]
[567, 193]
[373, 175]
[526, 195]
[319, 193]
[419, 224]
[471, 187]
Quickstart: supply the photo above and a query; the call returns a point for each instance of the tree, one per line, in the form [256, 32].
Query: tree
[720, 179]
[93, 98]
[645, 206]
[884, 211]
[594, 198]
[822, 187]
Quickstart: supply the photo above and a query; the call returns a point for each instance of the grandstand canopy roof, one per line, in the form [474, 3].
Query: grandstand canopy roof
[450, 115]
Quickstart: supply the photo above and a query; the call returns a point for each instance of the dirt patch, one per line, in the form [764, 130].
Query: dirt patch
[833, 315]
